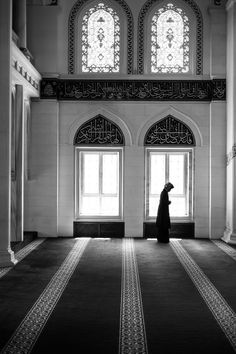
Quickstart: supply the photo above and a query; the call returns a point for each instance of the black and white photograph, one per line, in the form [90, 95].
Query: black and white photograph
[117, 176]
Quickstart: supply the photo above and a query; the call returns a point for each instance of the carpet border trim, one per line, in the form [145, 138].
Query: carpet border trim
[21, 254]
[230, 251]
[132, 336]
[27, 333]
[223, 313]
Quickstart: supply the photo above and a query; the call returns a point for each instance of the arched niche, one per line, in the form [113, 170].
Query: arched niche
[169, 131]
[99, 131]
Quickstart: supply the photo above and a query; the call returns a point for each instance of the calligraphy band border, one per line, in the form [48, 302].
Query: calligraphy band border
[132, 90]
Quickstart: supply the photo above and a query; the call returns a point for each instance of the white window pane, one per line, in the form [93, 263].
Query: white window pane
[176, 173]
[89, 206]
[91, 173]
[157, 177]
[153, 206]
[110, 206]
[99, 187]
[110, 174]
[178, 207]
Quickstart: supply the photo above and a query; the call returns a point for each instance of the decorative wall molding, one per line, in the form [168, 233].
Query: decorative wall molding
[99, 131]
[133, 90]
[72, 38]
[199, 34]
[169, 131]
[25, 70]
[231, 154]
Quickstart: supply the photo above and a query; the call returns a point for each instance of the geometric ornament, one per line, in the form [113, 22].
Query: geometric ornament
[169, 131]
[73, 36]
[99, 131]
[142, 21]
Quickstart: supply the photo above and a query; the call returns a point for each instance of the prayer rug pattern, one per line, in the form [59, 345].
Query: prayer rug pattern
[100, 304]
[22, 254]
[230, 251]
[222, 312]
[132, 325]
[23, 339]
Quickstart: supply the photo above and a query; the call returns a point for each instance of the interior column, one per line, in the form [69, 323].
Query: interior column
[217, 151]
[19, 162]
[6, 255]
[230, 230]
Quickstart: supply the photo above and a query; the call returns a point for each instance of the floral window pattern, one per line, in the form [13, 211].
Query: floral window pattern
[101, 40]
[170, 41]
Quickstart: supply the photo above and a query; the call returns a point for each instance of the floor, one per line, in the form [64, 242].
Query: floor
[123, 296]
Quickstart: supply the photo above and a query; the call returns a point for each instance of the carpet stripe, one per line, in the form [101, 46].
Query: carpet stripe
[132, 325]
[25, 336]
[222, 312]
[230, 251]
[21, 254]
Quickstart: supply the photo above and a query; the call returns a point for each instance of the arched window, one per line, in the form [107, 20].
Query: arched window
[170, 38]
[170, 41]
[101, 40]
[100, 37]
[98, 150]
[169, 157]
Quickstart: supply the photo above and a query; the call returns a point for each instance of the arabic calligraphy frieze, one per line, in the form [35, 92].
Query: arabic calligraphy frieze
[219, 89]
[48, 88]
[134, 90]
[99, 131]
[169, 131]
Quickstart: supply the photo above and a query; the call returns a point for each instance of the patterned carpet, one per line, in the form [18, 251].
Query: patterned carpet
[121, 296]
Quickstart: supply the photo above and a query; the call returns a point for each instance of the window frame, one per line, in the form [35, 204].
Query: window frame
[78, 183]
[192, 40]
[188, 185]
[123, 40]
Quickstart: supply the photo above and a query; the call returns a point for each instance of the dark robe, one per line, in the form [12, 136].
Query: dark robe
[163, 218]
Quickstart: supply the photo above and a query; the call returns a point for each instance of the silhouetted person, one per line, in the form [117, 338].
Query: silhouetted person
[163, 217]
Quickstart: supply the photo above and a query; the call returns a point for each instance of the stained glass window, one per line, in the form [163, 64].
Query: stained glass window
[170, 41]
[101, 40]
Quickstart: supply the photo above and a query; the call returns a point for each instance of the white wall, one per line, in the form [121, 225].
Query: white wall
[48, 40]
[53, 134]
[49, 205]
[41, 190]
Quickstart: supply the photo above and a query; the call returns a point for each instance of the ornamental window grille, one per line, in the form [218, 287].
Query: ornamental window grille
[169, 131]
[101, 40]
[99, 131]
[170, 40]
